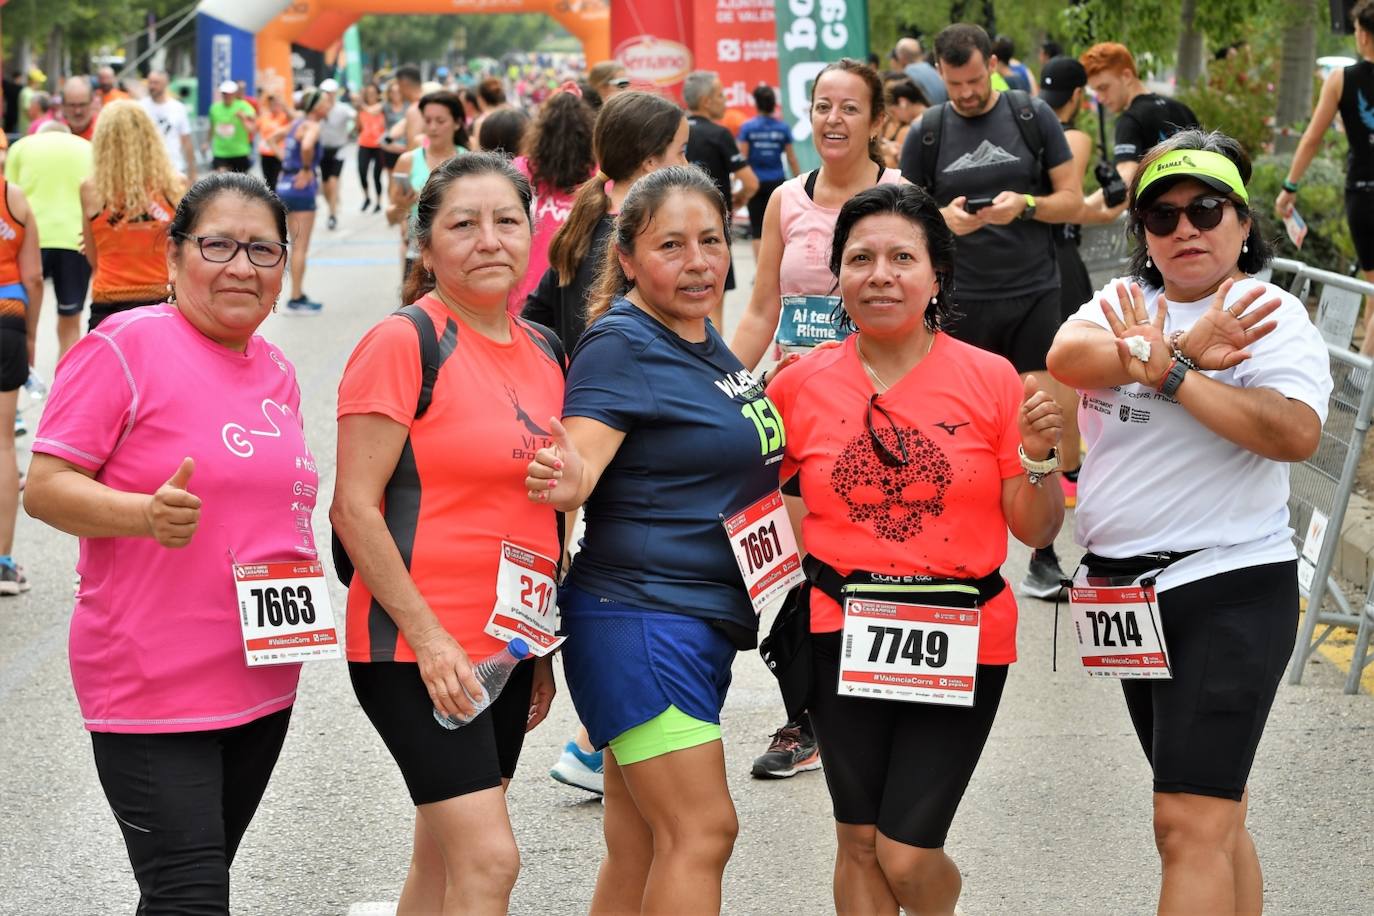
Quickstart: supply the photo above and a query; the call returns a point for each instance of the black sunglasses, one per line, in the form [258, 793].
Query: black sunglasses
[1204, 213]
[885, 454]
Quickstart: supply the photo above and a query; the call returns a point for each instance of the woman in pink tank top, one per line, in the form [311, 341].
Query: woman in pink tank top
[794, 257]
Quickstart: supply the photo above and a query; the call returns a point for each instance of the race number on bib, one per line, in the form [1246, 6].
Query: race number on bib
[1118, 631]
[526, 599]
[765, 549]
[807, 320]
[912, 652]
[285, 613]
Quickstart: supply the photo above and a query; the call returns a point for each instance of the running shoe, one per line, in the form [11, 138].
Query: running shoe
[303, 306]
[1070, 488]
[580, 769]
[791, 751]
[20, 427]
[1043, 579]
[333, 222]
[377, 207]
[367, 203]
[12, 578]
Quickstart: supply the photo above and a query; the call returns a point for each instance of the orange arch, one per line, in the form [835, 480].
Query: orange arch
[318, 24]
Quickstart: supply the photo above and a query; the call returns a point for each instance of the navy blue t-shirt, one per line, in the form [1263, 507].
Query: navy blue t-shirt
[702, 441]
[768, 138]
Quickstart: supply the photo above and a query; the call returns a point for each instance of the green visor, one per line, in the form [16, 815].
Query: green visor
[1212, 169]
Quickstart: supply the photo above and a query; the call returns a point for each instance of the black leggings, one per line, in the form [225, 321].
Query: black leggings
[271, 170]
[370, 157]
[183, 801]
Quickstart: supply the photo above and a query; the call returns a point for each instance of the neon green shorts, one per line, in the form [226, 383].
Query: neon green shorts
[670, 730]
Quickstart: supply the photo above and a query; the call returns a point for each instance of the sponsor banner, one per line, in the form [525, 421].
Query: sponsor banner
[737, 39]
[653, 40]
[811, 33]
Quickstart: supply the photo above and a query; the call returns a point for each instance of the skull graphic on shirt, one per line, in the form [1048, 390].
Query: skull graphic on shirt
[894, 498]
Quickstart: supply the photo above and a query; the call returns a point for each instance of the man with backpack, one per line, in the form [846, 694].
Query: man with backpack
[998, 165]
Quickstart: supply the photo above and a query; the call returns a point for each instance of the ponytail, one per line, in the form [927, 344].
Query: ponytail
[573, 240]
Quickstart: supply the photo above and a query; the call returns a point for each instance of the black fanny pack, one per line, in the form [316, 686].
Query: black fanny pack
[787, 647]
[1131, 568]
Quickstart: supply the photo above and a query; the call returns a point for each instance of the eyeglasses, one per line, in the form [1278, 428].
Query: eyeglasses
[885, 454]
[219, 250]
[1204, 213]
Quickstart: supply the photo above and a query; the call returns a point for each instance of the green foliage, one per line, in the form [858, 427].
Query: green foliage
[417, 38]
[1321, 203]
[1238, 98]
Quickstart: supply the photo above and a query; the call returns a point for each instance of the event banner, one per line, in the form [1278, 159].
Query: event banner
[812, 33]
[738, 40]
[653, 39]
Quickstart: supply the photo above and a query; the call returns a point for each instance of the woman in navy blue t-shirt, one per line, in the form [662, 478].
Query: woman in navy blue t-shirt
[666, 433]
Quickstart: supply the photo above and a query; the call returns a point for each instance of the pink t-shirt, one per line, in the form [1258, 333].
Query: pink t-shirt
[551, 208]
[807, 233]
[155, 643]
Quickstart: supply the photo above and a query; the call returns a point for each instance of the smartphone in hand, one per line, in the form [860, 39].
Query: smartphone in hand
[974, 204]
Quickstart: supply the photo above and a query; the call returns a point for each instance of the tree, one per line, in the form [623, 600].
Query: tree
[1189, 44]
[1298, 60]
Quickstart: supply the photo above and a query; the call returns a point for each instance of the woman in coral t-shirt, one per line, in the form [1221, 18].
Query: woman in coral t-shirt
[915, 455]
[429, 510]
[171, 442]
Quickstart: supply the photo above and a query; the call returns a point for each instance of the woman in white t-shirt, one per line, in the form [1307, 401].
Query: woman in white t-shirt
[1187, 478]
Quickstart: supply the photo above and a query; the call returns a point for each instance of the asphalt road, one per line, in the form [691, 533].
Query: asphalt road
[1057, 819]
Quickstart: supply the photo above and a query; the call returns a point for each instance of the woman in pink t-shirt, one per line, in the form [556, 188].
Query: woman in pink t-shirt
[558, 159]
[171, 443]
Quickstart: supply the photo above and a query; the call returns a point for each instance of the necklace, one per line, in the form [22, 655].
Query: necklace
[874, 375]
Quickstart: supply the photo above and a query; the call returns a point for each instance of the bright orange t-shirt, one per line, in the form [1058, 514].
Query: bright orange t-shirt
[131, 255]
[490, 413]
[941, 513]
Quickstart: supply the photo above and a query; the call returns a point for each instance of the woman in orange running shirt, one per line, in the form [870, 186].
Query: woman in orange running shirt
[128, 202]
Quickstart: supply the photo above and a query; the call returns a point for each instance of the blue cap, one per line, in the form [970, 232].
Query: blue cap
[519, 649]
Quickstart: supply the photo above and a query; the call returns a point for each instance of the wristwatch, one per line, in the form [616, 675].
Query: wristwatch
[1029, 212]
[1037, 471]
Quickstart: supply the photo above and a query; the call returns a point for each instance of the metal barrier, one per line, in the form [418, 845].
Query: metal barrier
[1339, 297]
[1319, 491]
[1105, 250]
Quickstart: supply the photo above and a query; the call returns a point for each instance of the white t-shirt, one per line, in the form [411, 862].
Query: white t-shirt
[172, 123]
[1155, 479]
[334, 129]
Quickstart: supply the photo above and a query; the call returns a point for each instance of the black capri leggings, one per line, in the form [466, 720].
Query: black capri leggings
[900, 766]
[183, 802]
[370, 157]
[1229, 638]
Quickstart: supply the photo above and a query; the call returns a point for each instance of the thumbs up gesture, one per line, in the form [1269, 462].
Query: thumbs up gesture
[1041, 420]
[172, 512]
[554, 476]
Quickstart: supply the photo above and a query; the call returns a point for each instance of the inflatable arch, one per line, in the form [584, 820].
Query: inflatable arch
[251, 40]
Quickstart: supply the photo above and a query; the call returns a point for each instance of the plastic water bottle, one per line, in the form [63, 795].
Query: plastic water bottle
[492, 673]
[35, 386]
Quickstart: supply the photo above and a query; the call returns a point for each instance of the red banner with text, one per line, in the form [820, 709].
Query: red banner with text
[653, 40]
[737, 39]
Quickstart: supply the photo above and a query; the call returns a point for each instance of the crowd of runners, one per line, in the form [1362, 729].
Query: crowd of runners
[557, 423]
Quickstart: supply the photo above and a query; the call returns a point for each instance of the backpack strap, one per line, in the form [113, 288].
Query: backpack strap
[433, 354]
[932, 127]
[546, 339]
[1029, 125]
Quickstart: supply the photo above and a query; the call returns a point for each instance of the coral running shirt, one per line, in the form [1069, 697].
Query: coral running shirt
[490, 414]
[940, 514]
[156, 644]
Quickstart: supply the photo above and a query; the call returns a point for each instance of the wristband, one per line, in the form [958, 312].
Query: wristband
[1167, 372]
[1290, 186]
[1174, 379]
[1038, 470]
[1177, 349]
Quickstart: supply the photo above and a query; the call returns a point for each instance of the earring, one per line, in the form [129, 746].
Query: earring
[171, 294]
[1245, 248]
[934, 300]
[1148, 262]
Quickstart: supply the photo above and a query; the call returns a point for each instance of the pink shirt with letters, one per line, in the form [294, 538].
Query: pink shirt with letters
[155, 643]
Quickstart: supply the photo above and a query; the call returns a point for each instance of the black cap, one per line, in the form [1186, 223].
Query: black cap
[1059, 79]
